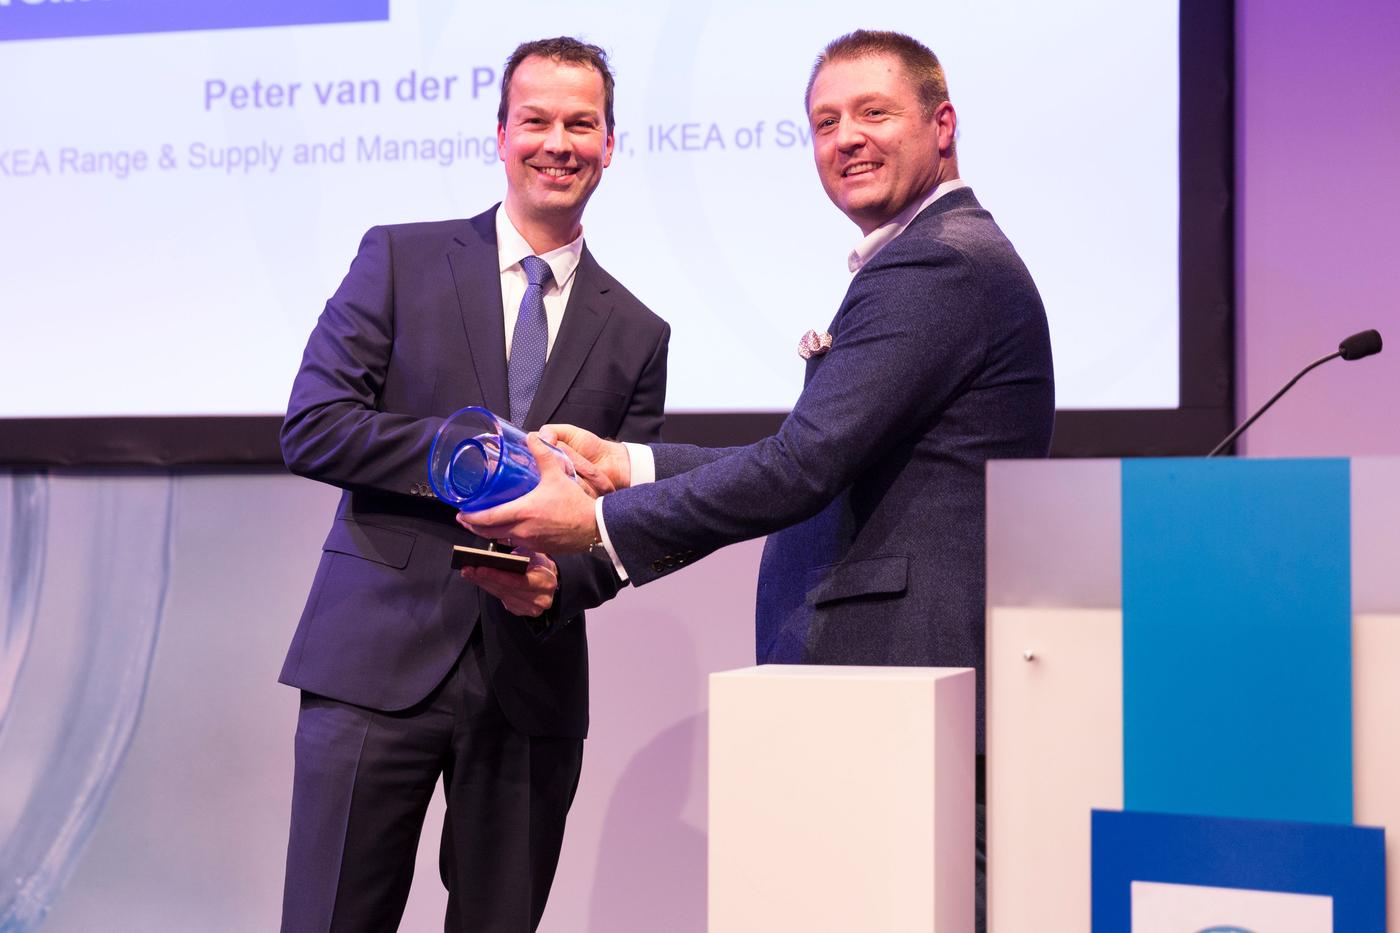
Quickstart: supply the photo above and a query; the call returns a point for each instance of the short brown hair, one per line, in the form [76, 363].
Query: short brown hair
[918, 60]
[566, 50]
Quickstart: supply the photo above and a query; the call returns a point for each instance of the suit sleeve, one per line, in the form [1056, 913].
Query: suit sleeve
[909, 339]
[589, 580]
[671, 459]
[334, 431]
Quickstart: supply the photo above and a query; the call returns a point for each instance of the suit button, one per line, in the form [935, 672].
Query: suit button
[658, 565]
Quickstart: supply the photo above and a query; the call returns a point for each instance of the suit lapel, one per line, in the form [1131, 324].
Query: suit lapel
[958, 197]
[477, 275]
[588, 310]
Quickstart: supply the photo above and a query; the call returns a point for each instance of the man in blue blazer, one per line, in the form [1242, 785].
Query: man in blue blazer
[408, 671]
[872, 491]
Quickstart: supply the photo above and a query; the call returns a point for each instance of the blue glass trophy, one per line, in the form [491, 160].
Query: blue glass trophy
[478, 461]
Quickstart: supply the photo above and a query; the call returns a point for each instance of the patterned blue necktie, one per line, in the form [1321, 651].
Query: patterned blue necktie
[529, 343]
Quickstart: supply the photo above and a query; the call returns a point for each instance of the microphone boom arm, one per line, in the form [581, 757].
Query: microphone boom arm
[1277, 395]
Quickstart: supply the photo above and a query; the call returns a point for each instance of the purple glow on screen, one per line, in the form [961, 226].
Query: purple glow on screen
[54, 19]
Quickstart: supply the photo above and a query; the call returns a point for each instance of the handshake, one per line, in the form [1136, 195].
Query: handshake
[558, 516]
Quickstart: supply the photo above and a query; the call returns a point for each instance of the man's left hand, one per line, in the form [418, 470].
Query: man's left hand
[555, 517]
[528, 594]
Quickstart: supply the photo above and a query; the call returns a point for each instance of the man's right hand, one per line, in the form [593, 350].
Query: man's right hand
[603, 466]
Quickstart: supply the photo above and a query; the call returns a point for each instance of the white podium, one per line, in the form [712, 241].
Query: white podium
[841, 798]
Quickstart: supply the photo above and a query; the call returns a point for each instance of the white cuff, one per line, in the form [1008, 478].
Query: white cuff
[607, 542]
[643, 464]
[642, 470]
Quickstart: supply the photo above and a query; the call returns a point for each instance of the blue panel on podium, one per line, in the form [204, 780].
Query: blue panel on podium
[1237, 638]
[1206, 862]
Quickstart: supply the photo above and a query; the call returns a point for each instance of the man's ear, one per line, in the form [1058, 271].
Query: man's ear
[945, 119]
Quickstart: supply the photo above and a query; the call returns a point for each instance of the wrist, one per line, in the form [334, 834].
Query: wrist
[624, 466]
[597, 533]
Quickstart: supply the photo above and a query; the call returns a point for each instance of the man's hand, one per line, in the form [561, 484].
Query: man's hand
[527, 594]
[556, 517]
[603, 466]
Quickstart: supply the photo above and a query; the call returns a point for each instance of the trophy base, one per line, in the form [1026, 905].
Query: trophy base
[463, 556]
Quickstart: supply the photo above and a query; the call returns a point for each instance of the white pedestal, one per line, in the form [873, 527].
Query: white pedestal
[841, 798]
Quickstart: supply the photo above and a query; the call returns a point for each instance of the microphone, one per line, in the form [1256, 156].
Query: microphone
[1356, 347]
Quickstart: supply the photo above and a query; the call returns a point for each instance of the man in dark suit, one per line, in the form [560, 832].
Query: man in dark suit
[407, 670]
[872, 491]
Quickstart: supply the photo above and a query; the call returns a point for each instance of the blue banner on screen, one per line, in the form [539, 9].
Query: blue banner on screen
[57, 19]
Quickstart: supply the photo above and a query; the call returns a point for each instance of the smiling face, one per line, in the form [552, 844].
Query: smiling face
[876, 150]
[555, 143]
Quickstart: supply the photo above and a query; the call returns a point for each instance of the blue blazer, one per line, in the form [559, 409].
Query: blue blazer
[872, 491]
[414, 333]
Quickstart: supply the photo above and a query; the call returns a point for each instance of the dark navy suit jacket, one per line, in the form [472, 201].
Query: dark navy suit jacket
[872, 491]
[414, 333]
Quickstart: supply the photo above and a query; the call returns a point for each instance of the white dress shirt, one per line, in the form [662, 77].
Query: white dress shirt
[644, 464]
[879, 237]
[563, 263]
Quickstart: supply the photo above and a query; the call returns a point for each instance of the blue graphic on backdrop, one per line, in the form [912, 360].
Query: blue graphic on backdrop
[46, 19]
[74, 663]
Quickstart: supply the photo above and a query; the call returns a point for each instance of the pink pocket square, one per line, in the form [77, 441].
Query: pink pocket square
[813, 344]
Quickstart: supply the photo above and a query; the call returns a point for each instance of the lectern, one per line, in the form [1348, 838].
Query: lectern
[1192, 693]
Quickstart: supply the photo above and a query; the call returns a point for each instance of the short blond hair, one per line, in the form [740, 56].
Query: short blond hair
[918, 60]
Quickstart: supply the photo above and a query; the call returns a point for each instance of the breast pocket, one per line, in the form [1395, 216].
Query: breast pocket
[596, 409]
